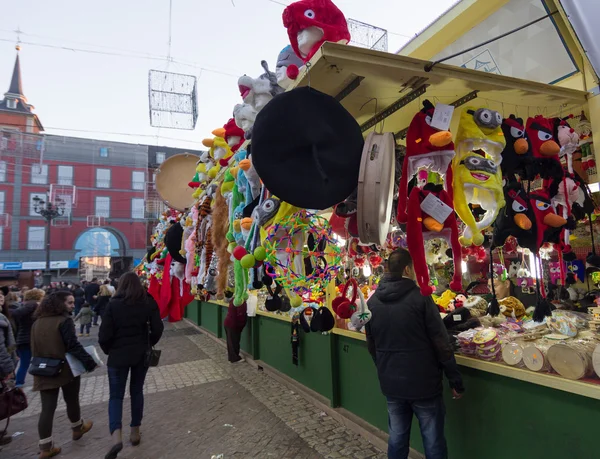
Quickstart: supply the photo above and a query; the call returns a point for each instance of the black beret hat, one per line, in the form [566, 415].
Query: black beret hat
[307, 148]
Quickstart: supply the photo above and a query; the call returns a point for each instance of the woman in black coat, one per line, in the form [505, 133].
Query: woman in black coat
[131, 324]
[79, 295]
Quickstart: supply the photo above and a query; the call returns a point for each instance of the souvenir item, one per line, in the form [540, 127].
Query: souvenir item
[345, 305]
[258, 92]
[375, 187]
[233, 135]
[220, 227]
[568, 140]
[310, 23]
[516, 219]
[573, 360]
[516, 155]
[548, 223]
[319, 165]
[512, 354]
[428, 149]
[245, 116]
[512, 307]
[535, 356]
[479, 130]
[562, 325]
[323, 320]
[545, 160]
[486, 338]
[361, 317]
[596, 360]
[476, 304]
[174, 191]
[289, 66]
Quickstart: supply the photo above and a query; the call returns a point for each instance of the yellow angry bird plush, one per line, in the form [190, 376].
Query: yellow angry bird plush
[477, 180]
[480, 129]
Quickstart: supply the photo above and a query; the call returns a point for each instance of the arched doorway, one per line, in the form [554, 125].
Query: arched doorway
[100, 242]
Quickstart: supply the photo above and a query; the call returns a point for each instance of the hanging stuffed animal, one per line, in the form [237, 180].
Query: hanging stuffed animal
[258, 92]
[421, 227]
[310, 23]
[545, 150]
[289, 66]
[220, 227]
[516, 155]
[516, 219]
[245, 116]
[427, 148]
[568, 140]
[513, 269]
[548, 223]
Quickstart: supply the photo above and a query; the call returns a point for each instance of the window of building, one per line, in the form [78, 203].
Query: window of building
[137, 208]
[39, 174]
[65, 175]
[102, 178]
[102, 206]
[36, 236]
[32, 197]
[138, 178]
[160, 157]
[2, 171]
[104, 152]
[2, 197]
[11, 103]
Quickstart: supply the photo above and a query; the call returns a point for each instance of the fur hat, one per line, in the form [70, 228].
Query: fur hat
[303, 18]
[544, 149]
[312, 160]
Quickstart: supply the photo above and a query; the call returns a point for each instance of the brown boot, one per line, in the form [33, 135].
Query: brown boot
[117, 446]
[135, 436]
[48, 450]
[83, 428]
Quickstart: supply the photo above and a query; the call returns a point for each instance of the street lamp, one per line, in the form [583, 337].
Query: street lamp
[49, 211]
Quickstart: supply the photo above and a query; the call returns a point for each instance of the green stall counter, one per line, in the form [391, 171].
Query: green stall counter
[505, 412]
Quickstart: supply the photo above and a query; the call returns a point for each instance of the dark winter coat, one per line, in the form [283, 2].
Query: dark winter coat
[101, 304]
[408, 342]
[24, 319]
[79, 295]
[7, 345]
[127, 330]
[91, 290]
[236, 317]
[52, 337]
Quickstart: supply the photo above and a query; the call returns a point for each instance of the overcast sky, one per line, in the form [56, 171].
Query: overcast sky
[109, 94]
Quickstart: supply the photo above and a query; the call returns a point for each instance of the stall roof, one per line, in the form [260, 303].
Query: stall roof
[374, 85]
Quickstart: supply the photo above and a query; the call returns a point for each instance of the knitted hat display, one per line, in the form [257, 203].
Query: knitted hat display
[545, 150]
[421, 227]
[173, 238]
[516, 219]
[516, 155]
[426, 148]
[310, 23]
[311, 161]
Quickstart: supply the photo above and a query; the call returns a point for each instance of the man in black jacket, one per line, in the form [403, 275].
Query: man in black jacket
[410, 347]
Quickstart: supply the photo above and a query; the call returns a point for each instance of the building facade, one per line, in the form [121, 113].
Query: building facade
[105, 189]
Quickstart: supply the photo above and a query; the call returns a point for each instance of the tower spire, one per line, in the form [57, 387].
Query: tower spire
[16, 84]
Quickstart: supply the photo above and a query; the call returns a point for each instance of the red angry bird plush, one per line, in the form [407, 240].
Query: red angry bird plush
[234, 136]
[310, 23]
[421, 227]
[545, 150]
[549, 225]
[426, 148]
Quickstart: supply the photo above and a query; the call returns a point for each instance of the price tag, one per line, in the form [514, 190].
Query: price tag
[442, 116]
[436, 208]
[457, 318]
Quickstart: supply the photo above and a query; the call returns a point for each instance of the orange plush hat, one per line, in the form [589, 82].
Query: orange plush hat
[426, 148]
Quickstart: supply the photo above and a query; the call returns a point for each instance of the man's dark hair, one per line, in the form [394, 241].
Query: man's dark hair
[131, 288]
[95, 279]
[106, 282]
[53, 304]
[398, 260]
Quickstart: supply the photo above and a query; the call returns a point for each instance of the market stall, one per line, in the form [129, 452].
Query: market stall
[343, 154]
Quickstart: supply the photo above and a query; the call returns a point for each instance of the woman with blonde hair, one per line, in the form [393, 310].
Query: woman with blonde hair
[104, 296]
[23, 317]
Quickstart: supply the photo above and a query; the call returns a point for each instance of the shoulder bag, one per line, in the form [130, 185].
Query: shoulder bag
[152, 355]
[12, 401]
[43, 366]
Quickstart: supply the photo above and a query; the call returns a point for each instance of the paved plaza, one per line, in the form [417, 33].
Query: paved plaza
[198, 406]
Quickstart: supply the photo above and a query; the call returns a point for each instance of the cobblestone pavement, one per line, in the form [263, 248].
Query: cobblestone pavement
[198, 405]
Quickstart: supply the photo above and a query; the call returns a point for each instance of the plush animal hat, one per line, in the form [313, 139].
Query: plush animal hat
[516, 219]
[549, 225]
[310, 23]
[233, 135]
[480, 129]
[307, 149]
[173, 238]
[545, 150]
[288, 67]
[516, 154]
[426, 148]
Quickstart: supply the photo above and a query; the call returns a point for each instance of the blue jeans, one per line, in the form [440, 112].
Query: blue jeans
[24, 353]
[430, 414]
[117, 381]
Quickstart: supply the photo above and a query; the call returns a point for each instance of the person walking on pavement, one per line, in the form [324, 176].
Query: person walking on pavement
[85, 319]
[8, 359]
[111, 287]
[130, 326]
[79, 295]
[24, 320]
[234, 323]
[52, 337]
[91, 291]
[409, 345]
[104, 295]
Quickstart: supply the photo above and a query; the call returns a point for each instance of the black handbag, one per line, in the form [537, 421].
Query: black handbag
[43, 366]
[152, 355]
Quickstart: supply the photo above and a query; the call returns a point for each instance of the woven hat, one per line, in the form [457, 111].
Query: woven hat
[307, 149]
